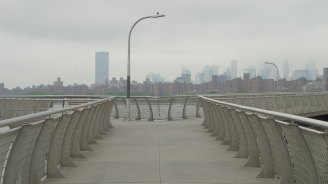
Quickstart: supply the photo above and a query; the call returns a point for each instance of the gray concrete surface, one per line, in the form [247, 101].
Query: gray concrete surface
[159, 152]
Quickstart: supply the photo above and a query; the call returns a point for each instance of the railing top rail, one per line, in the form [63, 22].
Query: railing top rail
[262, 94]
[299, 119]
[250, 94]
[181, 96]
[25, 99]
[252, 97]
[75, 99]
[21, 119]
[53, 99]
[53, 96]
[137, 97]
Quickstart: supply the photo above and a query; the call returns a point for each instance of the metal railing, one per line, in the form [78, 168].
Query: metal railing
[164, 108]
[43, 141]
[293, 153]
[303, 105]
[11, 108]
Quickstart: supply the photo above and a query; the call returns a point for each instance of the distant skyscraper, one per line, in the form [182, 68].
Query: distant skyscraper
[215, 70]
[233, 68]
[199, 78]
[286, 70]
[269, 72]
[153, 77]
[187, 77]
[207, 73]
[251, 71]
[184, 71]
[325, 75]
[310, 65]
[228, 73]
[202, 78]
[301, 73]
[261, 68]
[102, 67]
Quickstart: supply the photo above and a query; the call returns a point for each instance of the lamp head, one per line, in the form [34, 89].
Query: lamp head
[266, 62]
[158, 15]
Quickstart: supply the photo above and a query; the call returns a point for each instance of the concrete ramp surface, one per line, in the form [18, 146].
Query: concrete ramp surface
[159, 152]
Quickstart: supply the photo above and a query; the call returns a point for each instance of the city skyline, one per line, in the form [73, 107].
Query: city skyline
[44, 40]
[264, 71]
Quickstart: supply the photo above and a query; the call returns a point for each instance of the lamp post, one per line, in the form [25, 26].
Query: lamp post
[277, 73]
[128, 76]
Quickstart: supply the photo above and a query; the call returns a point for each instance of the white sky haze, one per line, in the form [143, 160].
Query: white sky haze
[43, 40]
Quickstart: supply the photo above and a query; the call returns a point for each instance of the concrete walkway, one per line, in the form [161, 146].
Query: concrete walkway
[159, 152]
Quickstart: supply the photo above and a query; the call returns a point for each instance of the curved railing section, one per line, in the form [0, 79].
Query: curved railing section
[288, 151]
[164, 108]
[43, 141]
[304, 105]
[11, 108]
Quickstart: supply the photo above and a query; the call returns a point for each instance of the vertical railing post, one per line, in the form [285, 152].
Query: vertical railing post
[14, 154]
[91, 138]
[201, 100]
[66, 151]
[254, 157]
[234, 146]
[212, 120]
[227, 134]
[138, 110]
[40, 149]
[151, 117]
[184, 115]
[124, 101]
[75, 149]
[99, 126]
[116, 111]
[243, 151]
[103, 126]
[95, 128]
[308, 158]
[268, 167]
[170, 110]
[109, 113]
[221, 133]
[197, 110]
[207, 118]
[217, 120]
[285, 155]
[84, 145]
[57, 139]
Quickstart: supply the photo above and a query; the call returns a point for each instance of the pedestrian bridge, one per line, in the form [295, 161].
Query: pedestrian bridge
[245, 138]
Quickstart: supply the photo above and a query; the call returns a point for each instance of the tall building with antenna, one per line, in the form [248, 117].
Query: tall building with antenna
[102, 67]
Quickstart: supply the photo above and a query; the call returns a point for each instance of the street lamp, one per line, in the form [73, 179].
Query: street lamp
[277, 72]
[128, 77]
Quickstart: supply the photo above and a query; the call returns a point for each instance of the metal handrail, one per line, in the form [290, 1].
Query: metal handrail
[51, 99]
[269, 96]
[308, 121]
[78, 99]
[20, 119]
[53, 96]
[261, 94]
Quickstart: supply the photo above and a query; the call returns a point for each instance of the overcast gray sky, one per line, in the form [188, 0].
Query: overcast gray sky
[43, 40]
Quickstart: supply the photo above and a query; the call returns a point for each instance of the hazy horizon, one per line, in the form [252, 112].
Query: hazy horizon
[43, 40]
